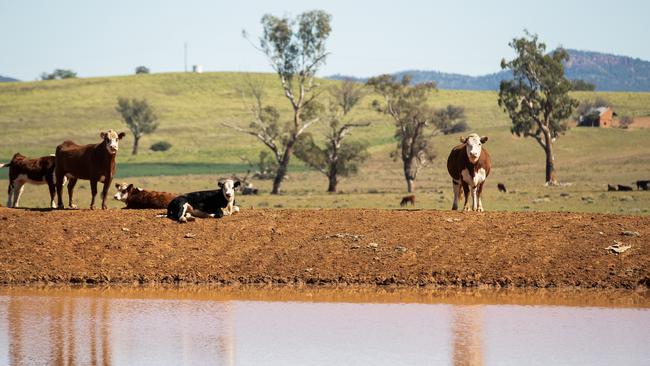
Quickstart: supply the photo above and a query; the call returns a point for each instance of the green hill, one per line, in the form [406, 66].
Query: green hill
[37, 116]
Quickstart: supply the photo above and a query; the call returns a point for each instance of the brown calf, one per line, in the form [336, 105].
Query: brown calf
[23, 170]
[94, 162]
[138, 198]
[408, 199]
[469, 165]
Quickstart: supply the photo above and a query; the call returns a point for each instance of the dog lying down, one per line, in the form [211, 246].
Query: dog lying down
[215, 203]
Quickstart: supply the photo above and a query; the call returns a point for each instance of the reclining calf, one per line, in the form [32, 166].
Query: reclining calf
[216, 203]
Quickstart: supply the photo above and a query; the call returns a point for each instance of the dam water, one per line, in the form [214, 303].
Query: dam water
[216, 326]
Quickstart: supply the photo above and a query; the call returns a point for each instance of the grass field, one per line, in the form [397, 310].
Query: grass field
[36, 116]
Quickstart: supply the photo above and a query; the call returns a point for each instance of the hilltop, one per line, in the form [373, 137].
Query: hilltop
[7, 79]
[608, 72]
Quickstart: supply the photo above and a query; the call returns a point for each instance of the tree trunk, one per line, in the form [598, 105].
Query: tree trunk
[136, 140]
[282, 170]
[551, 178]
[409, 175]
[333, 181]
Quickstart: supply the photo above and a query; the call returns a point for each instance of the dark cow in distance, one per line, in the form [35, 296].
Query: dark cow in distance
[93, 162]
[215, 203]
[502, 187]
[138, 198]
[469, 165]
[623, 187]
[642, 185]
[408, 199]
[35, 171]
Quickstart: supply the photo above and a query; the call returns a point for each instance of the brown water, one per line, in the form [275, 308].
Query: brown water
[204, 326]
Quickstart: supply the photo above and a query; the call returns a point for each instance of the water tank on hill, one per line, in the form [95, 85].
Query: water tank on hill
[197, 68]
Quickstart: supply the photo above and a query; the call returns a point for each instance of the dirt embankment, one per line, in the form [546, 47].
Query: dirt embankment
[325, 247]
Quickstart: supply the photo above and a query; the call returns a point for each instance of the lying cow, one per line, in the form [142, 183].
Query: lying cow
[93, 162]
[138, 198]
[642, 184]
[35, 171]
[469, 165]
[623, 187]
[215, 203]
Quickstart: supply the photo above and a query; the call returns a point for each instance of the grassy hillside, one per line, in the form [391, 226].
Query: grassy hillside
[36, 116]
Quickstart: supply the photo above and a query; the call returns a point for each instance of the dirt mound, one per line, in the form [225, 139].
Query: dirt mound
[326, 247]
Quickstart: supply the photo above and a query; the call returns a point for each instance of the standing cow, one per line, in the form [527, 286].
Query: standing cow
[23, 170]
[469, 165]
[93, 162]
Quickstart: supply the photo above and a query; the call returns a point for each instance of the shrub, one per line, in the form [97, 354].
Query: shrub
[141, 70]
[161, 146]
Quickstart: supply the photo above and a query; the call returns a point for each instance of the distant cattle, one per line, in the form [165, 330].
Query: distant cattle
[469, 165]
[502, 187]
[93, 162]
[408, 199]
[643, 185]
[624, 188]
[138, 198]
[611, 187]
[35, 171]
[215, 203]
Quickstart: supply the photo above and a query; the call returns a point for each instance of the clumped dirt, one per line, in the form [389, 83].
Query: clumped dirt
[334, 247]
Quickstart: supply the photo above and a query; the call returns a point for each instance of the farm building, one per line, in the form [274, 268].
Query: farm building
[597, 117]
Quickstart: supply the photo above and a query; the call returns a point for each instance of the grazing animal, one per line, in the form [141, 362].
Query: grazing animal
[469, 165]
[93, 162]
[502, 188]
[249, 190]
[138, 198]
[215, 203]
[408, 199]
[623, 188]
[23, 170]
[611, 187]
[643, 185]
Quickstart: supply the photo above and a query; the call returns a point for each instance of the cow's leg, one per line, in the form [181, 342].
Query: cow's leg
[71, 184]
[466, 193]
[479, 190]
[10, 192]
[59, 188]
[474, 198]
[456, 185]
[93, 193]
[18, 191]
[107, 183]
[52, 188]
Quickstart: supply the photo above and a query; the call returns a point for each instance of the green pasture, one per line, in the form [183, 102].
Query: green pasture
[36, 116]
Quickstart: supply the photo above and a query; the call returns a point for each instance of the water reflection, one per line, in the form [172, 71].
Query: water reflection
[172, 327]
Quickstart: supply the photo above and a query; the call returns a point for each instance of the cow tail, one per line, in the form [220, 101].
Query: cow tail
[5, 165]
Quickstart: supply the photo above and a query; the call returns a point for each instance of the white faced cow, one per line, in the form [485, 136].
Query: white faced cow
[216, 203]
[93, 162]
[469, 164]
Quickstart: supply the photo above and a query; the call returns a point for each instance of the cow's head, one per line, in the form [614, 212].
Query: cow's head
[124, 190]
[473, 144]
[228, 188]
[111, 139]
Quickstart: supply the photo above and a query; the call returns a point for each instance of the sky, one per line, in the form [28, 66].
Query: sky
[103, 38]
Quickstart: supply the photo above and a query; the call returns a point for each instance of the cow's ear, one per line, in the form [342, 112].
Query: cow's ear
[103, 135]
[121, 135]
[117, 185]
[463, 139]
[129, 188]
[237, 184]
[220, 184]
[484, 139]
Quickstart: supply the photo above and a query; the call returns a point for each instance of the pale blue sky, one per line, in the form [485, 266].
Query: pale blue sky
[97, 38]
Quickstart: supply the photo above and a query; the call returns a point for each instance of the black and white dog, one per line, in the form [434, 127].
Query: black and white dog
[215, 203]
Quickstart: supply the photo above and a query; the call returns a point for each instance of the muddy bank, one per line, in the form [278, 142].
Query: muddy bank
[326, 247]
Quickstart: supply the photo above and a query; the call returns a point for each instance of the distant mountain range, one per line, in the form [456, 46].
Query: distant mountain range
[5, 78]
[608, 72]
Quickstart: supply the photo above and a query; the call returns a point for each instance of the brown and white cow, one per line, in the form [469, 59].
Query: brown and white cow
[469, 165]
[23, 170]
[93, 162]
[138, 198]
